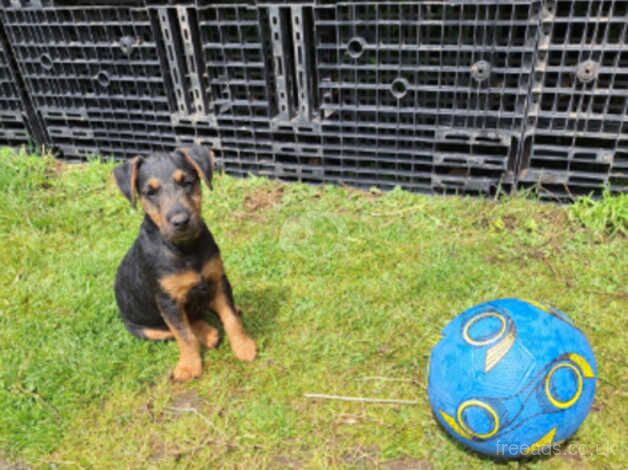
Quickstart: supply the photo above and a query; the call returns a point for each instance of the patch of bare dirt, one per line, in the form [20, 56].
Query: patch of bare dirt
[258, 201]
[184, 402]
[181, 403]
[6, 465]
[407, 463]
[261, 199]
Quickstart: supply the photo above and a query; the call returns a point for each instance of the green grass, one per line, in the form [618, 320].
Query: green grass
[339, 287]
[606, 216]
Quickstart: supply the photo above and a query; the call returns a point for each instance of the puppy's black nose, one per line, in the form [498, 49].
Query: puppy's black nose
[179, 219]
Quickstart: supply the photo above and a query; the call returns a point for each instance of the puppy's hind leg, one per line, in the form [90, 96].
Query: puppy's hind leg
[149, 333]
[206, 334]
[157, 334]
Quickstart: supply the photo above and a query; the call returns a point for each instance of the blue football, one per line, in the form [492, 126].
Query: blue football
[511, 378]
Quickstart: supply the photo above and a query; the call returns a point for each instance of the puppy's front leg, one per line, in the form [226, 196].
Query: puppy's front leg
[241, 344]
[189, 365]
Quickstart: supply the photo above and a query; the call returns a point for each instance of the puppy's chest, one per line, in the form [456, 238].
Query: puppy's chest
[192, 286]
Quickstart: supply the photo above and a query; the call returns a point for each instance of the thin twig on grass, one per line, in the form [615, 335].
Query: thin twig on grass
[39, 399]
[200, 415]
[222, 441]
[385, 401]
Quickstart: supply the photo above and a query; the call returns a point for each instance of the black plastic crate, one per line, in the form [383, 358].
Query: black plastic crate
[447, 161]
[450, 97]
[431, 64]
[14, 129]
[581, 71]
[421, 116]
[236, 51]
[444, 163]
[562, 167]
[578, 115]
[94, 74]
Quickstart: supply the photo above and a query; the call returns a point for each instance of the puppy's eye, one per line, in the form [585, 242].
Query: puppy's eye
[152, 191]
[188, 184]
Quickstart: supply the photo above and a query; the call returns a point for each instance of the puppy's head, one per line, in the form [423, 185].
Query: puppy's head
[169, 189]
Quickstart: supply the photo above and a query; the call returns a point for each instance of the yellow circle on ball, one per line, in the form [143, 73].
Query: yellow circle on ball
[466, 404]
[473, 342]
[559, 403]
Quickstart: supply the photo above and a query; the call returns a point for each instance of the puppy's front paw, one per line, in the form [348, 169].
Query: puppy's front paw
[186, 371]
[244, 348]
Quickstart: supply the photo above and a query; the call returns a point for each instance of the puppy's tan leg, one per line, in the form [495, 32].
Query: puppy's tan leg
[189, 365]
[241, 344]
[206, 334]
[243, 347]
[156, 334]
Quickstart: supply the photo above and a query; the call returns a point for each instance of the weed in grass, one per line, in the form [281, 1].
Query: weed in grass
[608, 215]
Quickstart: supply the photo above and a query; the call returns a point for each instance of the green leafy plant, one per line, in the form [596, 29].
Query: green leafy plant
[608, 215]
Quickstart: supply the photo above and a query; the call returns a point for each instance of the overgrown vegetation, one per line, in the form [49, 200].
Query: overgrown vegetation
[345, 292]
[608, 215]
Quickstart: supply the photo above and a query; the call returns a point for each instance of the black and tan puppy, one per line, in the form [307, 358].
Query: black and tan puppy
[173, 273]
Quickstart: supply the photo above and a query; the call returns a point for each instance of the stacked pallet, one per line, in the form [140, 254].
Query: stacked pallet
[469, 97]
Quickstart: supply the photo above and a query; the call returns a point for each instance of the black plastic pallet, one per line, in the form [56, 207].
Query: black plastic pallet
[578, 118]
[14, 129]
[581, 71]
[94, 75]
[459, 65]
[444, 163]
[450, 97]
[374, 113]
[562, 167]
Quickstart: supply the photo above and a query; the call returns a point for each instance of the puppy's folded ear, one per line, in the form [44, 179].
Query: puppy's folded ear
[201, 159]
[126, 177]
